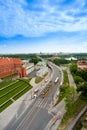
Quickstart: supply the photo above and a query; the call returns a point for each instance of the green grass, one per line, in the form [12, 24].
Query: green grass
[38, 79]
[25, 80]
[5, 105]
[9, 88]
[45, 74]
[12, 93]
[63, 87]
[21, 87]
[10, 76]
[76, 108]
[23, 92]
[66, 81]
[2, 85]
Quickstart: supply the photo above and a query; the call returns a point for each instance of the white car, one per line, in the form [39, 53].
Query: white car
[35, 96]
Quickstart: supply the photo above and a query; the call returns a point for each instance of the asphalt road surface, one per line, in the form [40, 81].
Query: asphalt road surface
[32, 74]
[36, 117]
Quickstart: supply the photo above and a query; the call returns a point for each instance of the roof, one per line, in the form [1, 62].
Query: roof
[42, 70]
[7, 60]
[41, 63]
[71, 58]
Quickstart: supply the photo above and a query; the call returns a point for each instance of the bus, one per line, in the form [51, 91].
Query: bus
[56, 80]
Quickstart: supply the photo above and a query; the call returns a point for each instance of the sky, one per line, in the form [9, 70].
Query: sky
[47, 26]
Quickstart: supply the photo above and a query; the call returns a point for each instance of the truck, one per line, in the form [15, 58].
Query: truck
[56, 80]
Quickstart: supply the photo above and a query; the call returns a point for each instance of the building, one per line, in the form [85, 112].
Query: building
[29, 67]
[42, 71]
[40, 65]
[82, 64]
[9, 66]
[71, 58]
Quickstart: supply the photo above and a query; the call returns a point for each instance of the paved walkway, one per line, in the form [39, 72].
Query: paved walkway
[57, 112]
[71, 80]
[15, 110]
[74, 121]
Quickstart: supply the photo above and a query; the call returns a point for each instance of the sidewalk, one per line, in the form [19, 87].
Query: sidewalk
[71, 80]
[14, 111]
[72, 124]
[59, 111]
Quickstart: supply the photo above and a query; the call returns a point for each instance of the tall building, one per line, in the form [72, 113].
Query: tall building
[9, 66]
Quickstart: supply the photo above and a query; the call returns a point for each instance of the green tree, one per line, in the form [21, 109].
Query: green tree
[60, 61]
[73, 69]
[71, 96]
[78, 79]
[83, 88]
[35, 60]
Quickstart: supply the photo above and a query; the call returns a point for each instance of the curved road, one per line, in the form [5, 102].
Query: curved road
[36, 116]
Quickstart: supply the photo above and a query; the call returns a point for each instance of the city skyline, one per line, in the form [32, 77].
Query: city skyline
[34, 26]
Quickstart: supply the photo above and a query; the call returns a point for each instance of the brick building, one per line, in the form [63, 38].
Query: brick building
[9, 66]
[82, 64]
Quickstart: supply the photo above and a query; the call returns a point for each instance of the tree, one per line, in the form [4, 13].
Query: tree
[83, 88]
[71, 95]
[60, 61]
[35, 60]
[73, 69]
[84, 75]
[78, 79]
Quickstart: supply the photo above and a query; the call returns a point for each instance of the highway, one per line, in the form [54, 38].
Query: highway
[36, 117]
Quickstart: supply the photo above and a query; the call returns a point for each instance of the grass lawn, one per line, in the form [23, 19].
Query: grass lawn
[4, 84]
[6, 105]
[38, 79]
[10, 76]
[22, 92]
[63, 87]
[13, 91]
[10, 87]
[76, 108]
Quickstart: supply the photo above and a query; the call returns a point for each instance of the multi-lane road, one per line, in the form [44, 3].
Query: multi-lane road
[37, 116]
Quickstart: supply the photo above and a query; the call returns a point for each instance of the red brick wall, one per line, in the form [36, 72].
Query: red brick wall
[23, 72]
[10, 66]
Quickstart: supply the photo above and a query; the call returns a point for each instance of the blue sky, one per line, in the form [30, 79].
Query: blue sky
[33, 26]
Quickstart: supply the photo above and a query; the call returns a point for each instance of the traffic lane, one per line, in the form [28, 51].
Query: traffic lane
[27, 115]
[38, 121]
[56, 70]
[13, 125]
[30, 116]
[34, 116]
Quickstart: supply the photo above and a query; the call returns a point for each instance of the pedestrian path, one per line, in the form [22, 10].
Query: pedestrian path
[71, 80]
[57, 112]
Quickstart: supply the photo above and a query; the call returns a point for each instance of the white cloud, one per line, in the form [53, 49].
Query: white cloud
[16, 18]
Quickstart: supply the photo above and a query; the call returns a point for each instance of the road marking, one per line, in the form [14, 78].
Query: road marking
[20, 126]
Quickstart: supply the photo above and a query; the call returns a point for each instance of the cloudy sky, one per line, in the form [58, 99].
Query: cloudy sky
[32, 26]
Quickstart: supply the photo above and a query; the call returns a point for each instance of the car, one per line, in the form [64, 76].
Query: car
[35, 96]
[46, 80]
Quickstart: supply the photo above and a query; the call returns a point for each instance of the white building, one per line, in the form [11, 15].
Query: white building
[71, 58]
[42, 71]
[29, 67]
[40, 65]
